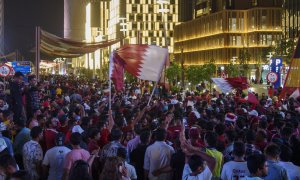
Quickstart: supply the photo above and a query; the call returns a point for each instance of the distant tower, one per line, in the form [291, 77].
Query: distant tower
[1, 26]
[74, 19]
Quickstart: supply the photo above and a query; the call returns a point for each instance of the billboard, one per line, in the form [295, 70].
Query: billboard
[275, 67]
[21, 66]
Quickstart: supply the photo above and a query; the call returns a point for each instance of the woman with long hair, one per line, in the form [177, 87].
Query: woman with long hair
[80, 170]
[114, 169]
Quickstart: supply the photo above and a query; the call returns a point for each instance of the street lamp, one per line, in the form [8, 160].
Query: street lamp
[59, 61]
[233, 60]
[163, 10]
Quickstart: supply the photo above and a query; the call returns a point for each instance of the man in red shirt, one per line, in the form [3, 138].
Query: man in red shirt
[50, 133]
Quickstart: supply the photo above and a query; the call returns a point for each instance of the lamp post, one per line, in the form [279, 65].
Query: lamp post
[233, 60]
[163, 10]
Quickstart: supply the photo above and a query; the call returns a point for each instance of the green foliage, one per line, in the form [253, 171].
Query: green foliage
[209, 70]
[104, 70]
[244, 59]
[232, 70]
[175, 89]
[284, 48]
[130, 78]
[172, 72]
[194, 74]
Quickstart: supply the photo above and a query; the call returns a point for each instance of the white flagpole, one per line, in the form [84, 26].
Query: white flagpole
[153, 90]
[109, 77]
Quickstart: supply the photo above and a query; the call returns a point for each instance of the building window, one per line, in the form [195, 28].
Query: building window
[230, 3]
[254, 2]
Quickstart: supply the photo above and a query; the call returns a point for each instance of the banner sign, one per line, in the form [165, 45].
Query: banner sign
[21, 66]
[275, 67]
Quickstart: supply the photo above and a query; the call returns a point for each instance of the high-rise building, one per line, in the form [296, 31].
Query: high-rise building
[133, 21]
[1, 26]
[291, 18]
[143, 21]
[185, 10]
[222, 28]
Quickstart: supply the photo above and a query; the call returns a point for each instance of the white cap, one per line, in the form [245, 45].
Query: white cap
[174, 101]
[78, 129]
[253, 113]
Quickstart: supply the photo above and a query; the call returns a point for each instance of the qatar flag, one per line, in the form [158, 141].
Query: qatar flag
[228, 84]
[295, 94]
[145, 62]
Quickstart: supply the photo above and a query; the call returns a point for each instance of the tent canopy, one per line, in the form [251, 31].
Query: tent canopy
[60, 47]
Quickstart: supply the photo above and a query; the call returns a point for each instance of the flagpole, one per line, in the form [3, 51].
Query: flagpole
[109, 77]
[153, 91]
[37, 50]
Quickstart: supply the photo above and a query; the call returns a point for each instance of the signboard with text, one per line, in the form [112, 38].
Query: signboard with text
[275, 67]
[21, 66]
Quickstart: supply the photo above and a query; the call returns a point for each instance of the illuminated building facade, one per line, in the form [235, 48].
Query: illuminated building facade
[224, 27]
[134, 21]
[141, 22]
[291, 18]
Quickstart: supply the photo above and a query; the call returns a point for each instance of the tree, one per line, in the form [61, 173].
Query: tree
[104, 71]
[244, 59]
[232, 70]
[130, 78]
[172, 73]
[194, 74]
[284, 49]
[209, 70]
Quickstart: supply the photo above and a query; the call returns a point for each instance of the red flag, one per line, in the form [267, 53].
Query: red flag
[142, 61]
[116, 71]
[252, 98]
[228, 84]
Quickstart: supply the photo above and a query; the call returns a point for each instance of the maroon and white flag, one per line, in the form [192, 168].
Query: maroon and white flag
[228, 84]
[142, 61]
[295, 94]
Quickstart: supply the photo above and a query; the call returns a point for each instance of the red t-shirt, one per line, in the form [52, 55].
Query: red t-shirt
[92, 146]
[50, 135]
[104, 137]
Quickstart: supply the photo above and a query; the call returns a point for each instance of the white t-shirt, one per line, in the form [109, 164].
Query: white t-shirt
[54, 158]
[205, 175]
[158, 155]
[131, 171]
[251, 178]
[292, 170]
[233, 170]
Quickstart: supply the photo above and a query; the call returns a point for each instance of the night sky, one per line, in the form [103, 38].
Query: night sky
[21, 17]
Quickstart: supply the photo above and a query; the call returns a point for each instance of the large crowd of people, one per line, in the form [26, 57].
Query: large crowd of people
[61, 128]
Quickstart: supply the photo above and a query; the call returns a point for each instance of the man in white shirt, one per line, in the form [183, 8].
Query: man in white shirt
[237, 168]
[258, 168]
[53, 162]
[292, 170]
[195, 167]
[33, 153]
[122, 153]
[157, 156]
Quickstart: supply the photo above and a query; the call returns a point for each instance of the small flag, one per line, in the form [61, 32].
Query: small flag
[295, 94]
[252, 98]
[228, 84]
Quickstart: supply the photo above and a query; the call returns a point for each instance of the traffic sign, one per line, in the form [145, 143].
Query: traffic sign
[4, 70]
[272, 77]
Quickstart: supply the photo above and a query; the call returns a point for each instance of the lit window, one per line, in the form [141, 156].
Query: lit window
[254, 2]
